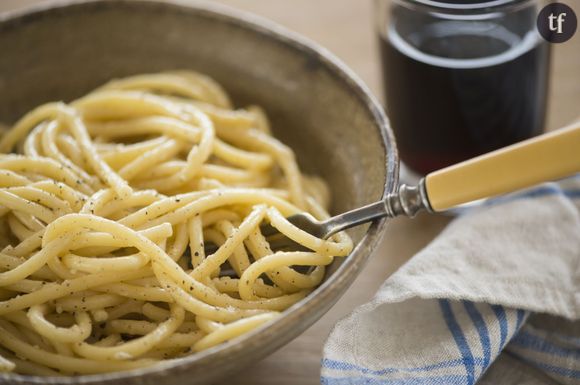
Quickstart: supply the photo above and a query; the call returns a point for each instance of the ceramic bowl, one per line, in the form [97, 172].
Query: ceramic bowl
[316, 105]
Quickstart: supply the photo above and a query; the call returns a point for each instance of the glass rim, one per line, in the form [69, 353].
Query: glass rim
[446, 5]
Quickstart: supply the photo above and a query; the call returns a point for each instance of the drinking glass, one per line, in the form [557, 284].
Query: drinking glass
[461, 78]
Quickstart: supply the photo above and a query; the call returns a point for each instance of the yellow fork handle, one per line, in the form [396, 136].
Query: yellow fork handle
[543, 158]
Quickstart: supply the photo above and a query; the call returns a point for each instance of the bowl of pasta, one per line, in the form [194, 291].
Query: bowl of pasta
[144, 147]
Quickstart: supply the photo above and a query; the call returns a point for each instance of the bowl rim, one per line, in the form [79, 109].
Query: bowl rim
[325, 294]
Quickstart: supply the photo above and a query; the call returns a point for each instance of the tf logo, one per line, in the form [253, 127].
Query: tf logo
[557, 22]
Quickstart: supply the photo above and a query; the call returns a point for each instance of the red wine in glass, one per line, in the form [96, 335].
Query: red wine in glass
[454, 90]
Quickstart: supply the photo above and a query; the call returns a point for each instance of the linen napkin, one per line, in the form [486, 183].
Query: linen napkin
[494, 300]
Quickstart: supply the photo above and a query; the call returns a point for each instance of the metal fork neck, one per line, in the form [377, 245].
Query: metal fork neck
[407, 200]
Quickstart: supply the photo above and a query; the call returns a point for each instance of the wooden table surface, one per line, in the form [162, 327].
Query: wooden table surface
[345, 27]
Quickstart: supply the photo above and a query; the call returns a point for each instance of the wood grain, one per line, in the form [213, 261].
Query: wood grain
[345, 27]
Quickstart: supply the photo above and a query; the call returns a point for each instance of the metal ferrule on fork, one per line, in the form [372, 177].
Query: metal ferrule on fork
[408, 200]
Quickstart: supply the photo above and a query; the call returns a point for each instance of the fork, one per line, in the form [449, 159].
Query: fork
[546, 157]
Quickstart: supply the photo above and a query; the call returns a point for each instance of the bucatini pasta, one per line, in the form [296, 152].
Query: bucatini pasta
[107, 207]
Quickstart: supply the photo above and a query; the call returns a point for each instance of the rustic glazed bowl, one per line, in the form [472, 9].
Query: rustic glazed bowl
[316, 105]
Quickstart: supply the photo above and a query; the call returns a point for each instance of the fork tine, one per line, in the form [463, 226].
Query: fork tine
[277, 240]
[286, 244]
[267, 229]
[297, 220]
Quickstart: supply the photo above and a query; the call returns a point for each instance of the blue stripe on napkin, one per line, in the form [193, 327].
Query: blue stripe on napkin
[459, 338]
[479, 323]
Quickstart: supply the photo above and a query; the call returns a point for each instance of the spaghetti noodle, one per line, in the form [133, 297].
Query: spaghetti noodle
[107, 206]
